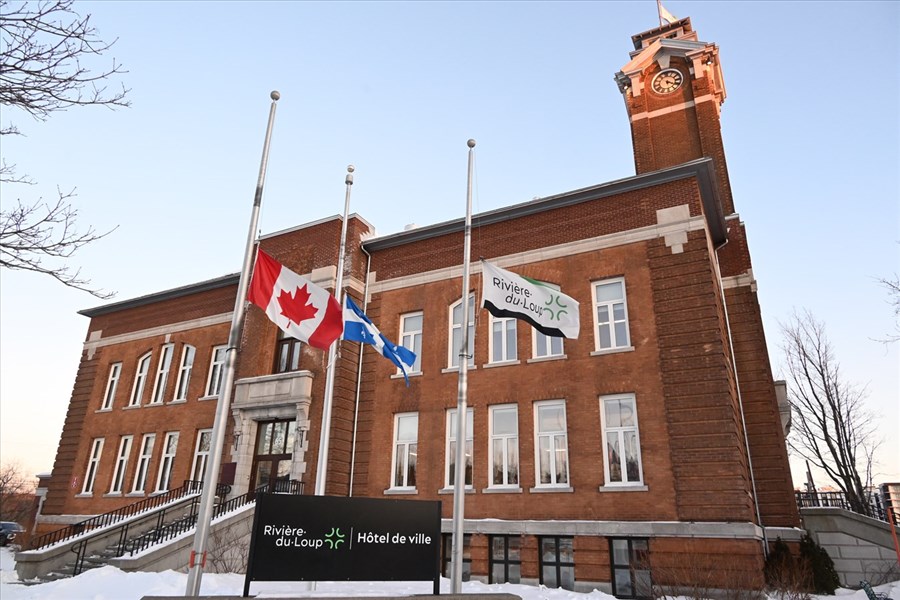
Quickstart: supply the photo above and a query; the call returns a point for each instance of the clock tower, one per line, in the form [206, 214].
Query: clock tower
[674, 89]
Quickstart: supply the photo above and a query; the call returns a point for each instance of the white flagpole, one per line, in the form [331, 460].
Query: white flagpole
[211, 476]
[325, 433]
[459, 481]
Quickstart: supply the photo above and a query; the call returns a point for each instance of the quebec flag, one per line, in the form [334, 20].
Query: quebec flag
[359, 328]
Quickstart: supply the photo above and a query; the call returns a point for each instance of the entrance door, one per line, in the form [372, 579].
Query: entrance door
[272, 459]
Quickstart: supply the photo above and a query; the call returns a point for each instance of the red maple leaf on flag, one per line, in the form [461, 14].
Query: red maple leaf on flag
[296, 306]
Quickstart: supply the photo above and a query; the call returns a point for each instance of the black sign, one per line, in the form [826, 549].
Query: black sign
[329, 538]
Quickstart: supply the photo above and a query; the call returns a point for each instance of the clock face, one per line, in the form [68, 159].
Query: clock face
[667, 81]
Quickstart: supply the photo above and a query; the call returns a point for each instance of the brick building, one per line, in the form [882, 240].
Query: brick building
[651, 444]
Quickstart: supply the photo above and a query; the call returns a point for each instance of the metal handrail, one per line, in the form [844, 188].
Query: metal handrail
[874, 505]
[114, 516]
[170, 530]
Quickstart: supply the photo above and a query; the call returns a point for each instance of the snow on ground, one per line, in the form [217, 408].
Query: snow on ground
[109, 583]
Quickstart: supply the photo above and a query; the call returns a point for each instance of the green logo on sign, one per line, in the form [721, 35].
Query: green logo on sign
[335, 538]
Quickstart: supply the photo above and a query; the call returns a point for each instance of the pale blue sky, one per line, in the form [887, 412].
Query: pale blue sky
[810, 126]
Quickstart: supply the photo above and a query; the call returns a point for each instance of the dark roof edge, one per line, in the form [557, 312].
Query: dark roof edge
[186, 290]
[702, 169]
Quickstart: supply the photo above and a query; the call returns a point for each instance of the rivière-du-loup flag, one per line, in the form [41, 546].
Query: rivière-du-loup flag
[298, 306]
[506, 294]
[359, 327]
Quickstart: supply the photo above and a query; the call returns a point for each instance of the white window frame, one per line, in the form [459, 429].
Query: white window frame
[504, 439]
[404, 450]
[450, 446]
[452, 351]
[90, 474]
[553, 437]
[143, 466]
[188, 353]
[620, 433]
[201, 456]
[608, 306]
[140, 379]
[216, 368]
[166, 462]
[507, 354]
[112, 384]
[162, 374]
[118, 478]
[411, 339]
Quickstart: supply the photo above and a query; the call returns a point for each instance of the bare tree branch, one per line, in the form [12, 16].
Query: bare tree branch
[831, 429]
[44, 68]
[31, 234]
[893, 288]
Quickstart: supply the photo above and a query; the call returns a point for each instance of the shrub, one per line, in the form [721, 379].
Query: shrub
[824, 577]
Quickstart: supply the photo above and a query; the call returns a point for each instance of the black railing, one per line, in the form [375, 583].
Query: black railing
[163, 530]
[114, 516]
[874, 507]
[167, 531]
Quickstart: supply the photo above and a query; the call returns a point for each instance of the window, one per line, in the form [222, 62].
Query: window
[184, 373]
[287, 353]
[93, 463]
[630, 562]
[406, 431]
[611, 313]
[140, 474]
[170, 446]
[140, 380]
[557, 562]
[411, 338]
[545, 346]
[112, 383]
[504, 426]
[118, 479]
[450, 470]
[162, 374]
[201, 454]
[215, 370]
[506, 559]
[503, 339]
[447, 555]
[456, 332]
[622, 458]
[550, 447]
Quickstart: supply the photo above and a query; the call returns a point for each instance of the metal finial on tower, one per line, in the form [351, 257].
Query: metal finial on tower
[471, 143]
[349, 179]
[275, 95]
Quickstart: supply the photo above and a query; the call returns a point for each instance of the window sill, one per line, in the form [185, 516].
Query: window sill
[400, 492]
[612, 350]
[154, 404]
[85, 495]
[112, 495]
[103, 410]
[202, 398]
[546, 358]
[450, 490]
[503, 363]
[550, 489]
[501, 490]
[623, 488]
[131, 407]
[456, 369]
[410, 375]
[182, 401]
[136, 494]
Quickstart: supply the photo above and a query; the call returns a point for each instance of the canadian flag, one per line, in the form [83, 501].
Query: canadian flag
[294, 303]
